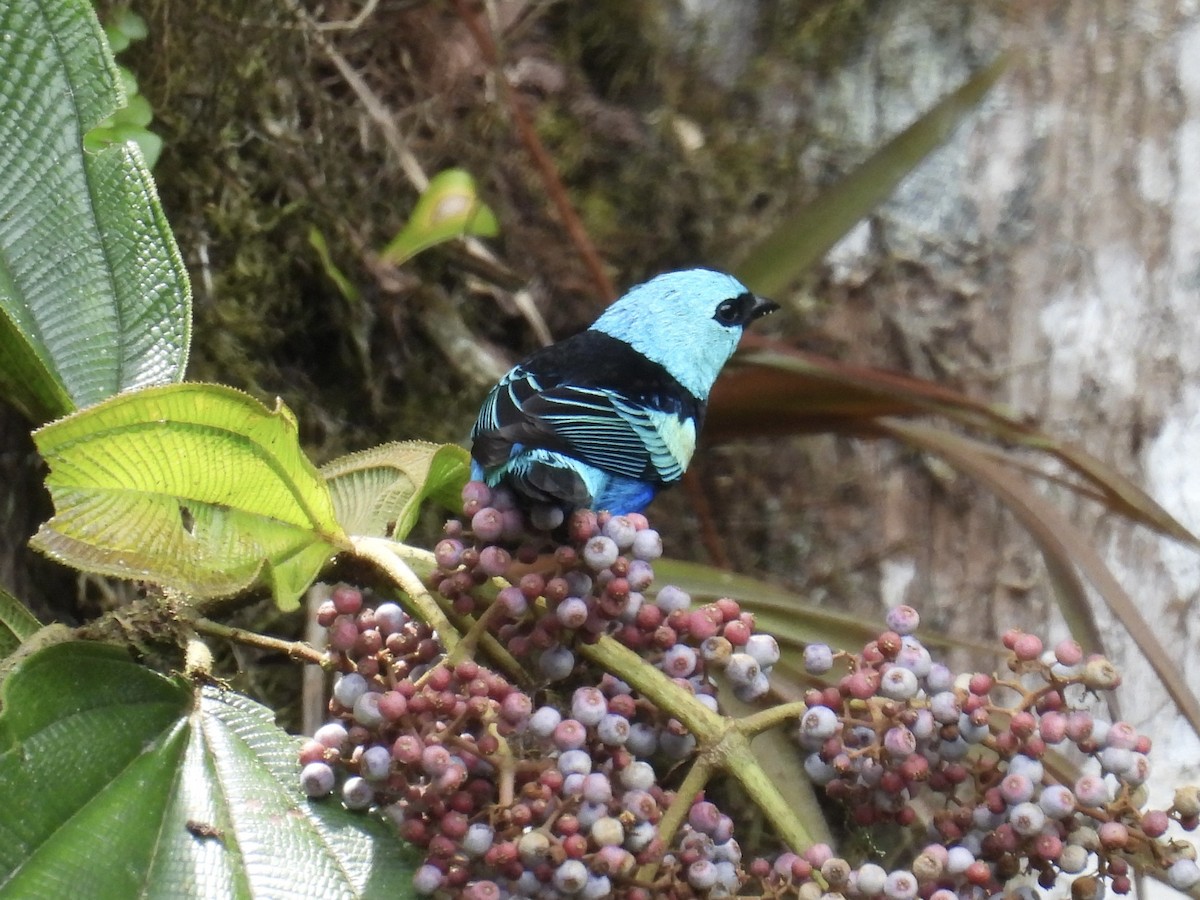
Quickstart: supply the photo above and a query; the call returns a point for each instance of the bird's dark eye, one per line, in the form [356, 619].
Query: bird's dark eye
[729, 312]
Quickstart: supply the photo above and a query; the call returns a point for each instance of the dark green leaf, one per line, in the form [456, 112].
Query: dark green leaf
[120, 783]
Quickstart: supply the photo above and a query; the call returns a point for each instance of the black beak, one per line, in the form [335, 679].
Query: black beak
[762, 307]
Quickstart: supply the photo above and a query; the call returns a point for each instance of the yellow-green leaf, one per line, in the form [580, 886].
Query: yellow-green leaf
[196, 487]
[450, 207]
[379, 491]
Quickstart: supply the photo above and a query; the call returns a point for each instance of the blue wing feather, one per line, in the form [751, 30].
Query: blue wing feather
[592, 400]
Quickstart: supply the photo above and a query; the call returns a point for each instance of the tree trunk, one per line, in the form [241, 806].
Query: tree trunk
[1048, 258]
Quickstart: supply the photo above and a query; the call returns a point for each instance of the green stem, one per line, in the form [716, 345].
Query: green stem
[386, 555]
[766, 719]
[294, 649]
[734, 755]
[651, 683]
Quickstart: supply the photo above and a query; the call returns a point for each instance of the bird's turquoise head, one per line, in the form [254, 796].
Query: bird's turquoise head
[688, 322]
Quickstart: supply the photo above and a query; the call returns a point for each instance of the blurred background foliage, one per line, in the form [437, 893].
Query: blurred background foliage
[267, 142]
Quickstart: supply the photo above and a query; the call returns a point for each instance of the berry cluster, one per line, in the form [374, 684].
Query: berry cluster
[547, 783]
[589, 584]
[898, 738]
[506, 795]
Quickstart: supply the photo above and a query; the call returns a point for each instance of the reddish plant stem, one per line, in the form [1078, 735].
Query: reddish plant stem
[539, 154]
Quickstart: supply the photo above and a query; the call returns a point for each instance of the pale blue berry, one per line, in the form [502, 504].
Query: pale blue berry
[600, 553]
[556, 662]
[613, 730]
[819, 723]
[588, 705]
[375, 764]
[638, 775]
[958, 860]
[427, 879]
[818, 659]
[1183, 874]
[317, 779]
[898, 683]
[671, 598]
[357, 793]
[348, 688]
[1057, 801]
[544, 720]
[1026, 819]
[764, 648]
[647, 545]
[478, 839]
[870, 879]
[571, 876]
[900, 885]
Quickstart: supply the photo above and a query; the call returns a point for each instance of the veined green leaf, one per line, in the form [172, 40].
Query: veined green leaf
[450, 207]
[195, 792]
[94, 298]
[379, 491]
[196, 487]
[16, 623]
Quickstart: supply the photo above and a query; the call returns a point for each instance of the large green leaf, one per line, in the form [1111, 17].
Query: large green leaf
[94, 298]
[196, 487]
[379, 491]
[117, 783]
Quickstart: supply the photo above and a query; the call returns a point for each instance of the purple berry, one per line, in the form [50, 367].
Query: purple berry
[375, 764]
[899, 742]
[366, 710]
[903, 620]
[447, 553]
[488, 524]
[317, 779]
[569, 734]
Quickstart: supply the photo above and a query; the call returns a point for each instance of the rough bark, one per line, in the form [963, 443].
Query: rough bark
[1047, 258]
